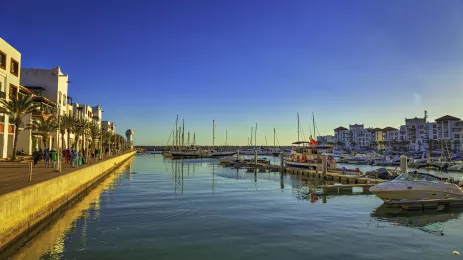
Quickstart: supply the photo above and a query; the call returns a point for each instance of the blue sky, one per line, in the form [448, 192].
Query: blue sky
[247, 62]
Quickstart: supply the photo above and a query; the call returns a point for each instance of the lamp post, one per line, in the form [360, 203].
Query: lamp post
[58, 111]
[101, 143]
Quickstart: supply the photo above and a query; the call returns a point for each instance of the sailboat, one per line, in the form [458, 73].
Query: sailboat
[308, 154]
[215, 153]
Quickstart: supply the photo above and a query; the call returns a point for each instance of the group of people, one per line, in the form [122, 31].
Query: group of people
[69, 156]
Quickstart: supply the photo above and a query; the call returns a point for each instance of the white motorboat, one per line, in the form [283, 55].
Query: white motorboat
[359, 159]
[457, 167]
[416, 186]
[215, 153]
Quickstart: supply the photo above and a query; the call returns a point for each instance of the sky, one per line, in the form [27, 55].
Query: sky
[242, 62]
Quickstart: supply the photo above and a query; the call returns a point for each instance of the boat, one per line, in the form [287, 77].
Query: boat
[215, 153]
[307, 155]
[359, 159]
[382, 173]
[416, 186]
[457, 167]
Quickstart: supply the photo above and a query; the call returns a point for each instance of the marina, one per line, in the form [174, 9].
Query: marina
[157, 207]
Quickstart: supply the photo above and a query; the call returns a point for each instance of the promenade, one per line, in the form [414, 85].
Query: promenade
[15, 175]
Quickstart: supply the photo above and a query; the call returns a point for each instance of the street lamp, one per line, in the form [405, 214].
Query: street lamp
[57, 111]
[101, 143]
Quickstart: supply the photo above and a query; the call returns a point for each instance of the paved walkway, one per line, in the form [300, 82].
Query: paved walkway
[15, 175]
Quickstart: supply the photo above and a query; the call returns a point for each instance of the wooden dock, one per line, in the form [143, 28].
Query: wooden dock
[329, 176]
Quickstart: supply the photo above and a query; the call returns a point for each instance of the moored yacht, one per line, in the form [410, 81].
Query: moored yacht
[416, 186]
[307, 155]
[359, 159]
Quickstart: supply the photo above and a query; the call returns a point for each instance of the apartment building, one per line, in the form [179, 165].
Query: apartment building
[50, 90]
[10, 64]
[325, 139]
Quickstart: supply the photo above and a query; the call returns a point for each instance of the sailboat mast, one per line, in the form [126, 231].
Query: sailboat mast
[213, 133]
[274, 134]
[188, 144]
[266, 140]
[255, 137]
[313, 122]
[180, 138]
[176, 134]
[298, 124]
[194, 138]
[183, 133]
[252, 132]
[173, 140]
[226, 136]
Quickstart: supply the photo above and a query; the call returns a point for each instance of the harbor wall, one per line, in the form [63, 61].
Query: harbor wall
[22, 209]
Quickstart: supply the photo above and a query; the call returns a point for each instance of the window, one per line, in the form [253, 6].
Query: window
[64, 100]
[59, 98]
[2, 60]
[457, 136]
[14, 67]
[13, 90]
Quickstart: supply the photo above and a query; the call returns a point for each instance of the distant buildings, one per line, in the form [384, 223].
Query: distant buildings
[417, 134]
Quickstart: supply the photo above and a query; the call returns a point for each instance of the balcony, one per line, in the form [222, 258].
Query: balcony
[2, 94]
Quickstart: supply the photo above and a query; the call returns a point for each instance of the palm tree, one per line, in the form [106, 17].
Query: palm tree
[67, 124]
[81, 129]
[44, 127]
[17, 107]
[94, 132]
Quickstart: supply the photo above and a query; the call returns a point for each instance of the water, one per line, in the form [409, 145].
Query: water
[162, 209]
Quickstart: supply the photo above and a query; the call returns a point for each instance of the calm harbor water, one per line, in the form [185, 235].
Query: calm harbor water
[154, 208]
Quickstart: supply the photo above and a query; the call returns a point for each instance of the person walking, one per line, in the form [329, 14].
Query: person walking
[36, 156]
[46, 157]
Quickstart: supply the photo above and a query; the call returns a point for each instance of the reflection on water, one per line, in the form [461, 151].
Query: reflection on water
[197, 209]
[428, 220]
[50, 241]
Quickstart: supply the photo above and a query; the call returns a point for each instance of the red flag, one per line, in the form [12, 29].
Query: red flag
[312, 141]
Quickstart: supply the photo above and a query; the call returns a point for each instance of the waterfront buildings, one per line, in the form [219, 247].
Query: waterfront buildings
[49, 90]
[417, 134]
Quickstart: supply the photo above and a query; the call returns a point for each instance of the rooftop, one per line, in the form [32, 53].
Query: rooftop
[389, 128]
[448, 118]
[340, 128]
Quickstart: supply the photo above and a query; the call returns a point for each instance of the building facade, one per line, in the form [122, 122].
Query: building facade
[10, 64]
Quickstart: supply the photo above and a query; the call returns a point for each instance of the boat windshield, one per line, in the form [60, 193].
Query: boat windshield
[416, 177]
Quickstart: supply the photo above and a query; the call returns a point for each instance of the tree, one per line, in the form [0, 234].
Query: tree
[17, 107]
[81, 129]
[94, 132]
[67, 124]
[44, 127]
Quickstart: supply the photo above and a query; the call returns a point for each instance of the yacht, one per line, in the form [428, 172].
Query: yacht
[416, 186]
[308, 155]
[215, 153]
[359, 159]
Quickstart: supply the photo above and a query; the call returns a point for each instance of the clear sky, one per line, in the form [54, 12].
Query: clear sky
[246, 62]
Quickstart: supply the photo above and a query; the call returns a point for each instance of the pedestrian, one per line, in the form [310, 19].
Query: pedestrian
[36, 156]
[46, 157]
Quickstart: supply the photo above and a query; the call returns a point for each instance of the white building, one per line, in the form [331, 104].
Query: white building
[326, 139]
[108, 126]
[10, 64]
[52, 86]
[341, 136]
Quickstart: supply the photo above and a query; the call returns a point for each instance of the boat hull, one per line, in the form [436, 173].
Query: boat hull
[402, 191]
[221, 154]
[167, 154]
